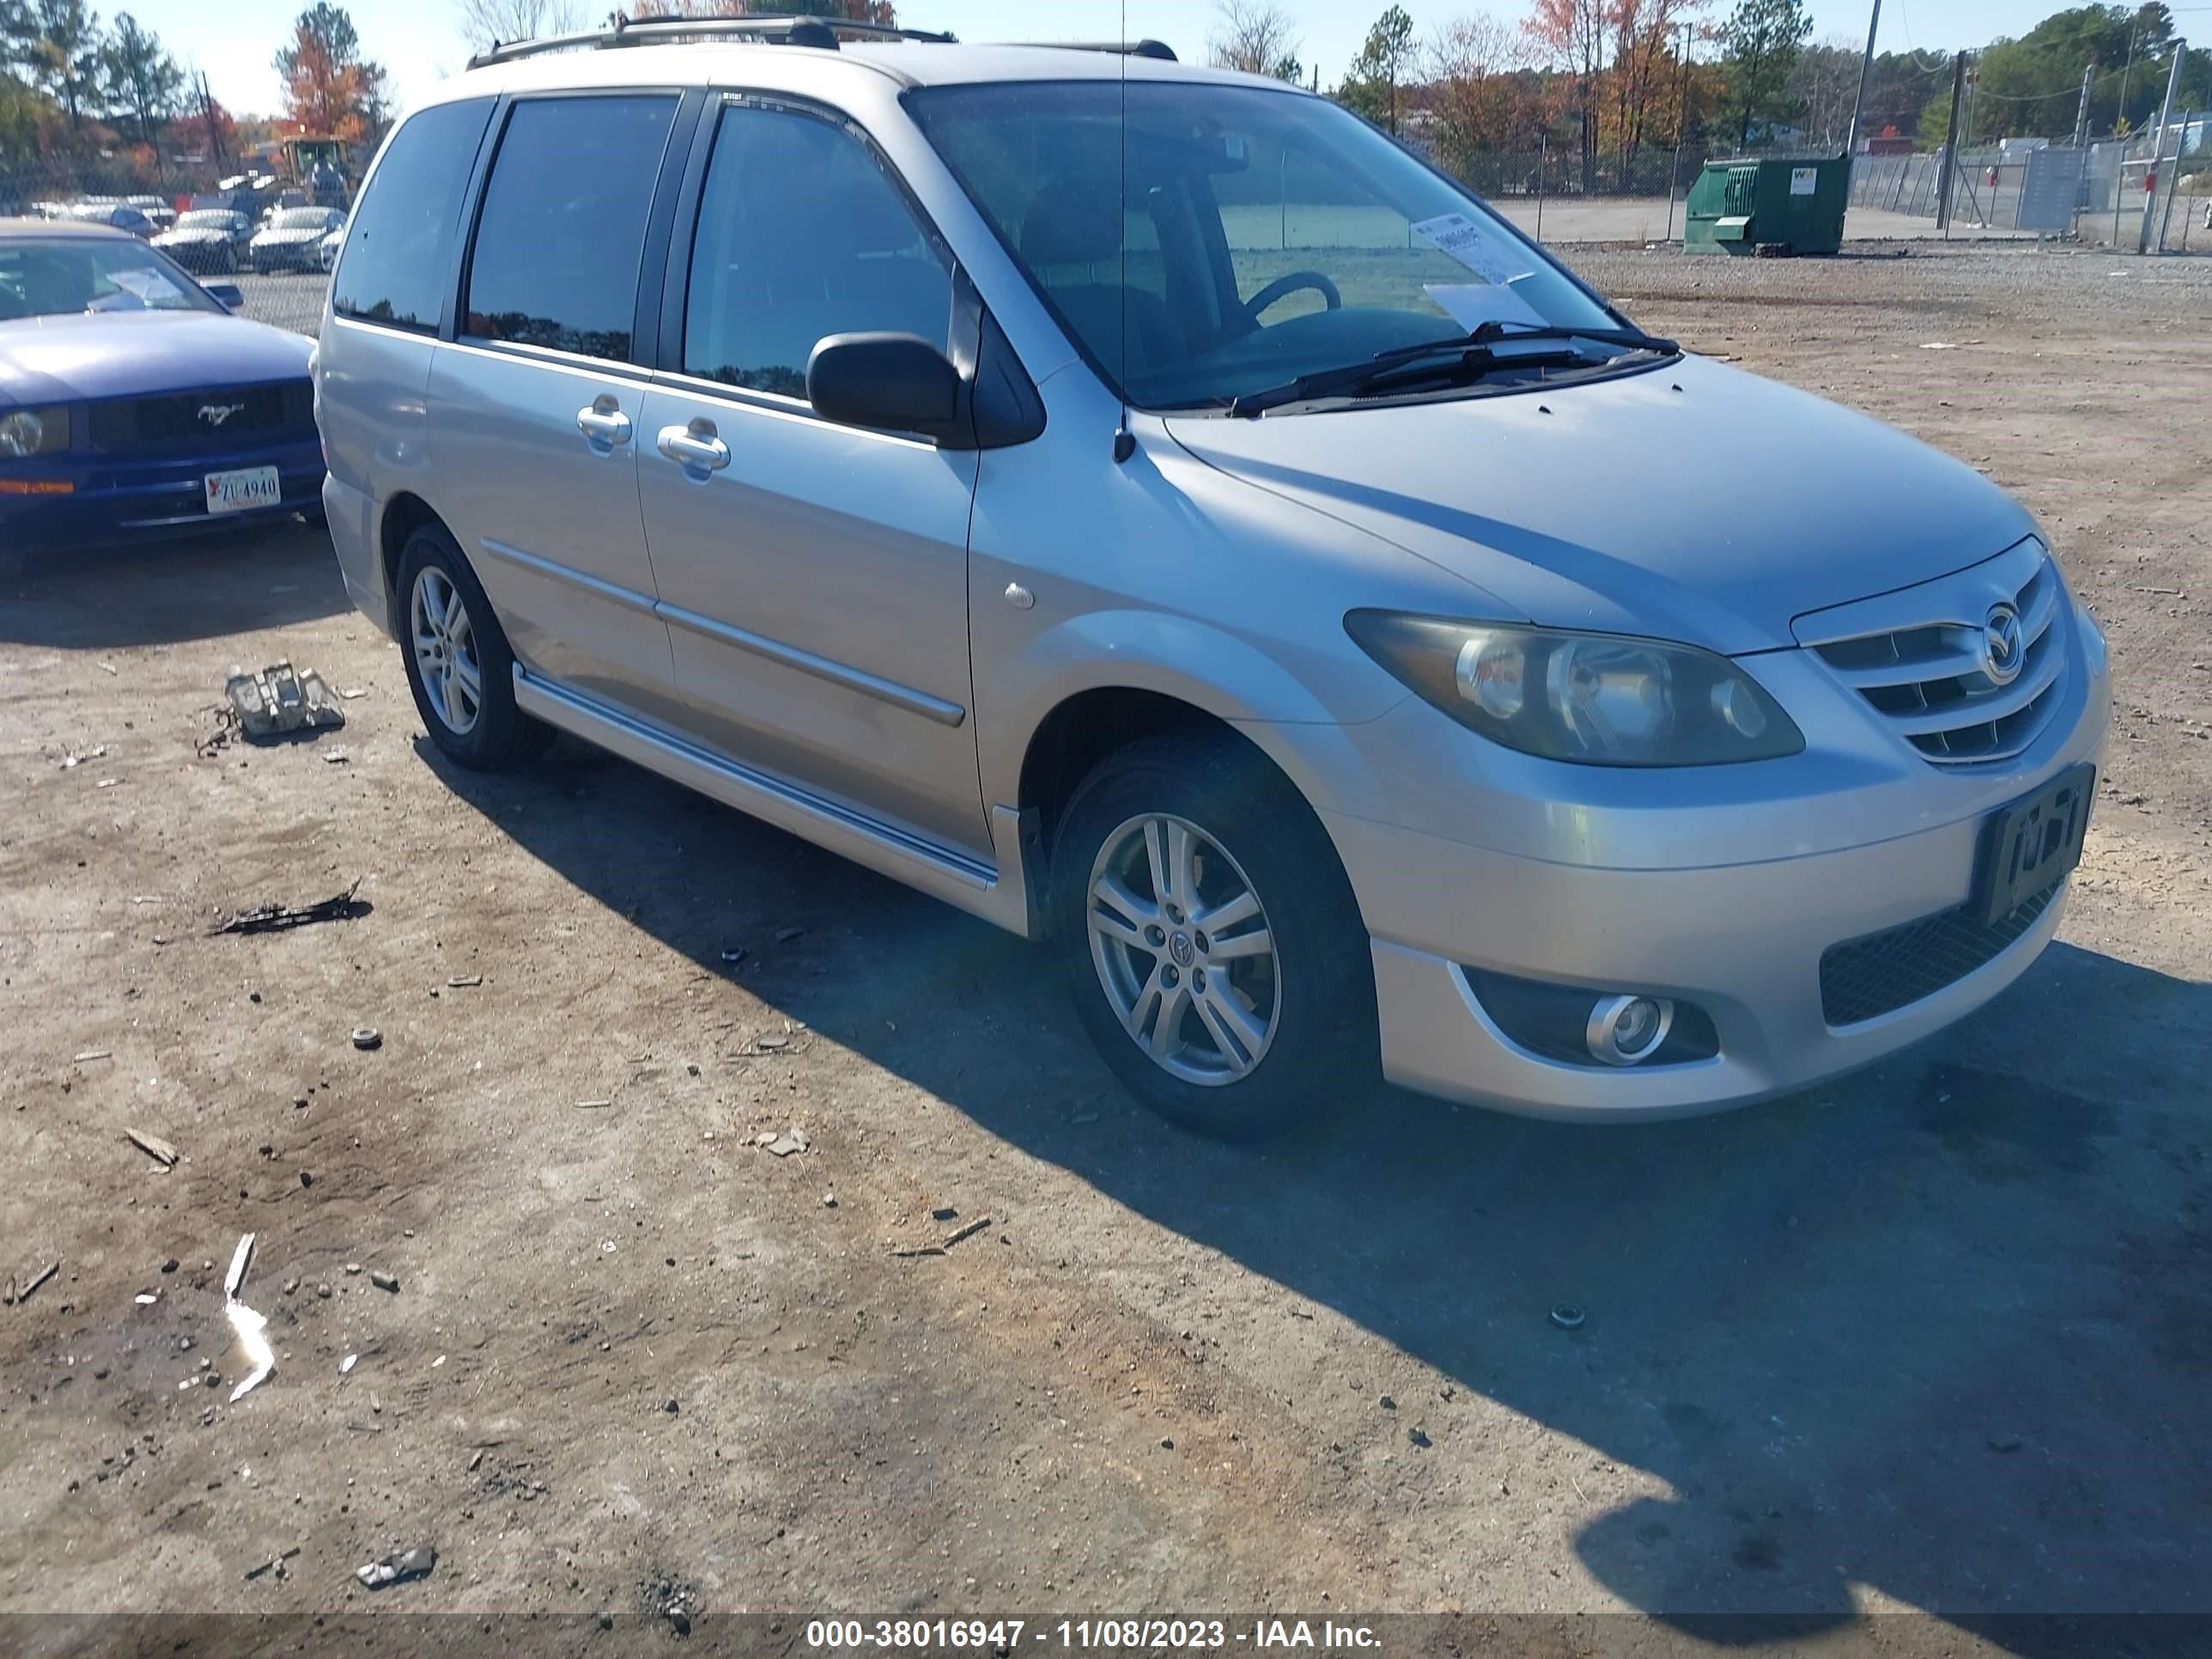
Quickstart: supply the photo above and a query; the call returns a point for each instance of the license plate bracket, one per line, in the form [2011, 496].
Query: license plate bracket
[2030, 847]
[243, 489]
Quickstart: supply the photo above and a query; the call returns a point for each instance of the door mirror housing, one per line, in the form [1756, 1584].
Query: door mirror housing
[895, 381]
[228, 296]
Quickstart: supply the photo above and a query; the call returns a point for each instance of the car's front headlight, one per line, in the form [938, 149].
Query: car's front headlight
[1597, 699]
[27, 432]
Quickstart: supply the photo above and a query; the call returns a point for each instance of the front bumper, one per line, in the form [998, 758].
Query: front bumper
[124, 500]
[1733, 914]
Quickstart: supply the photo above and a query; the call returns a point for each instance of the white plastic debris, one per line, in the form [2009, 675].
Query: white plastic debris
[348, 1364]
[247, 1323]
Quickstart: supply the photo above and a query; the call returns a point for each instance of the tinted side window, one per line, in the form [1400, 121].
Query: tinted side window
[400, 243]
[562, 231]
[801, 233]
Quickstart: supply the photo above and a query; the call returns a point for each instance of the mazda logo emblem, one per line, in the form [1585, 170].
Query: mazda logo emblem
[2003, 652]
[217, 414]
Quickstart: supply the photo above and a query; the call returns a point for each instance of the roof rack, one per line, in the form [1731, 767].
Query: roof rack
[818, 32]
[1146, 48]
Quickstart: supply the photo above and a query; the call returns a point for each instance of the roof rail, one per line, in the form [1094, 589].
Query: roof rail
[820, 31]
[1146, 48]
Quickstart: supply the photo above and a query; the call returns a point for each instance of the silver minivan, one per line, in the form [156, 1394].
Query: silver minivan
[1146, 506]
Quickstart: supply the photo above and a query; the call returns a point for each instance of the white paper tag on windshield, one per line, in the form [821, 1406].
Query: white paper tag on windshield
[1473, 304]
[1479, 250]
[146, 284]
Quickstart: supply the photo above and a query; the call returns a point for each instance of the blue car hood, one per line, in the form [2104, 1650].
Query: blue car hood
[53, 360]
[1691, 500]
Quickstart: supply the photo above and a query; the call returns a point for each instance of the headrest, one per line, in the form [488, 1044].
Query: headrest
[1071, 224]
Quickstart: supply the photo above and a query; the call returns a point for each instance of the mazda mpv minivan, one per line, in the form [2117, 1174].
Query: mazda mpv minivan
[1147, 508]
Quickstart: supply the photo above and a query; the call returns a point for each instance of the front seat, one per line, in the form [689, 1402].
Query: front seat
[1072, 230]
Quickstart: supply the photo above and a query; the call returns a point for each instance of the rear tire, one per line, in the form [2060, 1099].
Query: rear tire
[1273, 1023]
[459, 666]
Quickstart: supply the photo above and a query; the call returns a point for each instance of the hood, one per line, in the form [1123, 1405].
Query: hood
[195, 234]
[1691, 500]
[50, 359]
[276, 237]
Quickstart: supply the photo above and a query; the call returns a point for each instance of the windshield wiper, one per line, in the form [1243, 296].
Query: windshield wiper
[1475, 355]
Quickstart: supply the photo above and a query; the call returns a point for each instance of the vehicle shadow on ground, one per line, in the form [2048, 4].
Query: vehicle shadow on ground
[266, 577]
[1940, 1332]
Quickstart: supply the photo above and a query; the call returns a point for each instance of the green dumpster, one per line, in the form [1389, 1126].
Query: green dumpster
[1790, 205]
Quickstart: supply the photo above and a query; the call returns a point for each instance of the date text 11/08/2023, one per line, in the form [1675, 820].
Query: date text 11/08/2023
[1010, 1636]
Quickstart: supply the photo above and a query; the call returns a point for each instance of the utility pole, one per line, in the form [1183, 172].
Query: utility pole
[1681, 126]
[2172, 179]
[2081, 115]
[214, 138]
[1866, 69]
[2158, 141]
[1950, 146]
[2128, 68]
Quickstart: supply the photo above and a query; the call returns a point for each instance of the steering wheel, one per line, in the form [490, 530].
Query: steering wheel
[1290, 284]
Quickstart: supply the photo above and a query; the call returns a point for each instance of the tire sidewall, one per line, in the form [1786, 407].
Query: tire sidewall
[1323, 1052]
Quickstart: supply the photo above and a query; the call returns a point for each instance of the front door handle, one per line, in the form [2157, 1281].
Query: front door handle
[604, 423]
[695, 447]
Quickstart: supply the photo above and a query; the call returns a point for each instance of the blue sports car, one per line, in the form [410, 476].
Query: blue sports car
[133, 406]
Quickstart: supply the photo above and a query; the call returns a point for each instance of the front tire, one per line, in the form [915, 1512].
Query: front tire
[1212, 943]
[459, 666]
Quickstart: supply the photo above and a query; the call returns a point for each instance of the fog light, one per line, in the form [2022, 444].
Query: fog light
[1625, 1029]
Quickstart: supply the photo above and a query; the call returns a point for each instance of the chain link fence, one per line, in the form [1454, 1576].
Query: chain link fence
[1990, 188]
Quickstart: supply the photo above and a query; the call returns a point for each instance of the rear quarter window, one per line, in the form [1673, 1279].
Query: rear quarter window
[399, 245]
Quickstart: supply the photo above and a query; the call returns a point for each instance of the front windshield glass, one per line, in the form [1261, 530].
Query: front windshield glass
[1262, 234]
[207, 219]
[54, 279]
[302, 219]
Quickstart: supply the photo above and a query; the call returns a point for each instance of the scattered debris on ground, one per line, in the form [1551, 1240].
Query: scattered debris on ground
[153, 1146]
[248, 1324]
[275, 1563]
[18, 1297]
[281, 918]
[398, 1567]
[281, 699]
[783, 1146]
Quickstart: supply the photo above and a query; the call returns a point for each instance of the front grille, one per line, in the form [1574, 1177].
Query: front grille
[1928, 680]
[174, 420]
[1884, 972]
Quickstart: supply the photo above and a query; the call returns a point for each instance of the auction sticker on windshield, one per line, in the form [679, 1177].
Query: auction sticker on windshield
[247, 487]
[1479, 250]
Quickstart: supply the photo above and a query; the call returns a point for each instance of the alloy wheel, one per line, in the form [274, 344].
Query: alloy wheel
[444, 643]
[1184, 950]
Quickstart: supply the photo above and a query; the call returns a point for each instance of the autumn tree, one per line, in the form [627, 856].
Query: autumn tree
[1763, 39]
[1474, 66]
[1254, 38]
[330, 88]
[1571, 34]
[1372, 84]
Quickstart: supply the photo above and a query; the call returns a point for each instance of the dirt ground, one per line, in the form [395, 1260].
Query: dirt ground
[1936, 1339]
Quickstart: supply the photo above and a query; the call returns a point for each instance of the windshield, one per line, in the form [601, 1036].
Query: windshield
[1262, 234]
[301, 219]
[54, 279]
[207, 219]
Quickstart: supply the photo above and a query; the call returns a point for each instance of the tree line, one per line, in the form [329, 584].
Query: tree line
[82, 96]
[1609, 83]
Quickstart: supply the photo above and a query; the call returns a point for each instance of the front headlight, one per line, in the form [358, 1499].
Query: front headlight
[1597, 699]
[27, 432]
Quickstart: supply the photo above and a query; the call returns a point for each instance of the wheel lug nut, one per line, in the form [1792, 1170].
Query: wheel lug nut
[1169, 976]
[1156, 935]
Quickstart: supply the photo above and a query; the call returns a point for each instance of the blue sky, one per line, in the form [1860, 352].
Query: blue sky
[416, 41]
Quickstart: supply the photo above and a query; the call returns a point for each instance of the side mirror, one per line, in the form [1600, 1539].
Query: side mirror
[228, 296]
[897, 381]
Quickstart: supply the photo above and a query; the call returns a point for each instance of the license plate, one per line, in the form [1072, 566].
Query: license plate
[247, 487]
[2029, 847]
